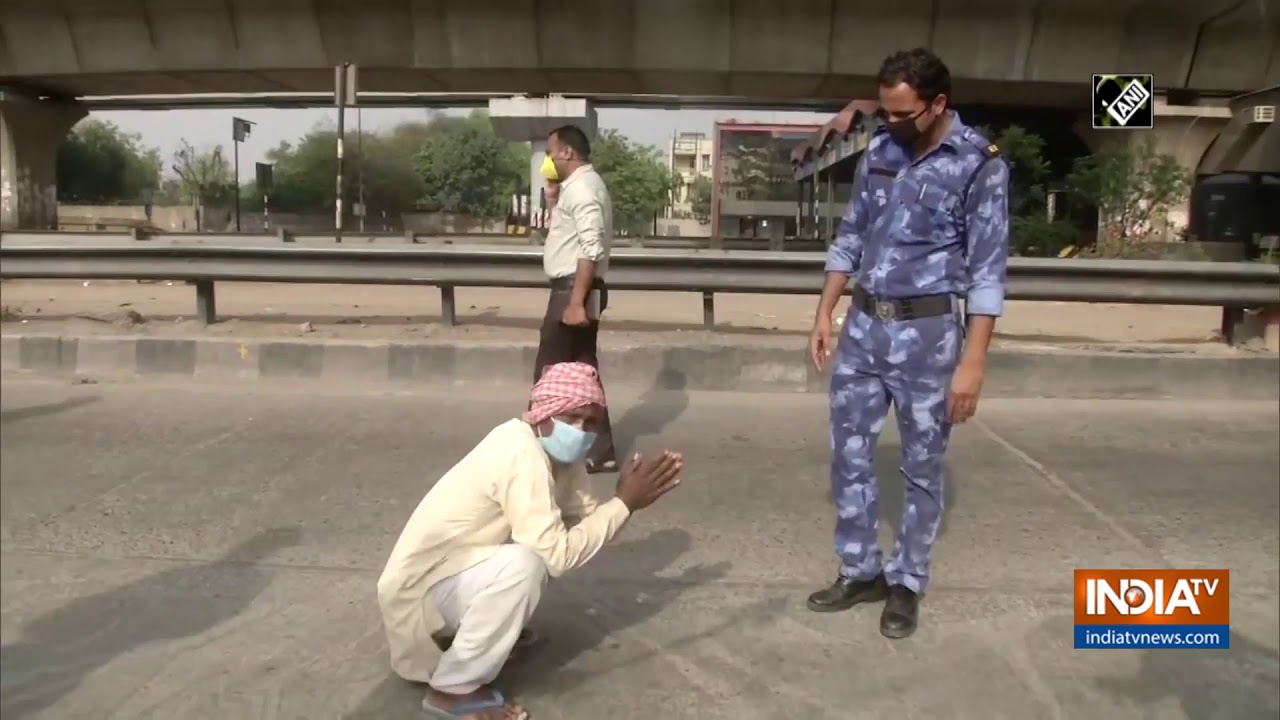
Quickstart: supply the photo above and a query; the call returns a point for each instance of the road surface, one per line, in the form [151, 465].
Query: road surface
[190, 551]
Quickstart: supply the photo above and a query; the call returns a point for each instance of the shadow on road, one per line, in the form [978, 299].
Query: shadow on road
[662, 404]
[580, 613]
[53, 408]
[59, 649]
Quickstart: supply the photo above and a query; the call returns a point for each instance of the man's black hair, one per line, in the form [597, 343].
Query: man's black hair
[921, 70]
[573, 136]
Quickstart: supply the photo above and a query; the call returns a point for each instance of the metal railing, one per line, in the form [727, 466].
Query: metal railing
[317, 259]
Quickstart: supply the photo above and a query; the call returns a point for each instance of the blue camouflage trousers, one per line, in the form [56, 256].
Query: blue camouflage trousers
[908, 363]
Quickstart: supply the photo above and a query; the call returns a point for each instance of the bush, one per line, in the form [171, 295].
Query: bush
[1037, 236]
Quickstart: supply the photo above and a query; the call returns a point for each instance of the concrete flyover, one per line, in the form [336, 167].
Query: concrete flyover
[1001, 51]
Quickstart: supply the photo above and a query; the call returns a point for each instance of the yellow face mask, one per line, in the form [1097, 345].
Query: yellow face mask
[549, 169]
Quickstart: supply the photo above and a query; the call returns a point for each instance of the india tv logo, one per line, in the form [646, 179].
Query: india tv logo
[1152, 609]
[1124, 102]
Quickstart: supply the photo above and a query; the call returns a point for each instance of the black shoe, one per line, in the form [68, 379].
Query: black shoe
[844, 593]
[901, 612]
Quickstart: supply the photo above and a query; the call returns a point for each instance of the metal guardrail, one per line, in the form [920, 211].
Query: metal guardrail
[89, 229]
[317, 259]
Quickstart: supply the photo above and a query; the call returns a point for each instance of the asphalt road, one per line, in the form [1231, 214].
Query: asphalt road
[181, 551]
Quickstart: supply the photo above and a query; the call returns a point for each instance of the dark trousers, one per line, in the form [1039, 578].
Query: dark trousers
[559, 343]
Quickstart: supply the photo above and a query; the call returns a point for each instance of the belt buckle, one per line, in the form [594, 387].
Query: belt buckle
[884, 310]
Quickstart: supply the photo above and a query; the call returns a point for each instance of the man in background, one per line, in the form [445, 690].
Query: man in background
[575, 257]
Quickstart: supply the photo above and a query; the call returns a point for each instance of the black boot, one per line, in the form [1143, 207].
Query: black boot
[901, 612]
[844, 593]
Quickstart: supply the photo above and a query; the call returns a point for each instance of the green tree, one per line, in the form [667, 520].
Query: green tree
[99, 163]
[204, 177]
[304, 175]
[465, 168]
[640, 183]
[1031, 232]
[700, 199]
[1133, 187]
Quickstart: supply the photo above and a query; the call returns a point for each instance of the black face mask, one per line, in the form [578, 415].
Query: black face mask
[904, 131]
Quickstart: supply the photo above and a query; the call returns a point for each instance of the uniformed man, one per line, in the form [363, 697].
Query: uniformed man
[927, 227]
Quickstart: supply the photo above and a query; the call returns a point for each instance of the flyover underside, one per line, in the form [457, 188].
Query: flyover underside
[1014, 51]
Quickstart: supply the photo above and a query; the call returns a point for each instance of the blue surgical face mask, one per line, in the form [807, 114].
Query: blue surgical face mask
[567, 444]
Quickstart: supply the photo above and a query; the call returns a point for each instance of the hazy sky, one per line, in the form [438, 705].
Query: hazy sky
[165, 129]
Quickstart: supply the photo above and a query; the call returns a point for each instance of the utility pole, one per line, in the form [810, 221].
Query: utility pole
[240, 129]
[360, 209]
[344, 93]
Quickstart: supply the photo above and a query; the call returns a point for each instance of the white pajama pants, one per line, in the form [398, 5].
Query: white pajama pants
[485, 607]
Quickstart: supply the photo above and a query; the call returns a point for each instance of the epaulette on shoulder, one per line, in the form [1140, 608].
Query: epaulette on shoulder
[987, 147]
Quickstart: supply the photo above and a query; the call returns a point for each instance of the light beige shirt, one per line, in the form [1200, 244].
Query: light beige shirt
[581, 226]
[504, 490]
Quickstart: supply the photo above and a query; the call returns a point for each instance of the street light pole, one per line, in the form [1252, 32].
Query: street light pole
[360, 164]
[344, 92]
[240, 129]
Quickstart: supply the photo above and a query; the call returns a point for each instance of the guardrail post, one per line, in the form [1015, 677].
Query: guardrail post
[206, 308]
[1232, 322]
[709, 310]
[448, 307]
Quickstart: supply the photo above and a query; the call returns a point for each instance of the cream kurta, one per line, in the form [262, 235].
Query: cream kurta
[504, 490]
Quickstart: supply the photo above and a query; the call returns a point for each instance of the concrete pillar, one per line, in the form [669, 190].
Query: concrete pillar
[525, 119]
[30, 133]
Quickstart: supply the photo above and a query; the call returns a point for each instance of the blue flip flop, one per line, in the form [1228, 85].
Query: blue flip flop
[496, 702]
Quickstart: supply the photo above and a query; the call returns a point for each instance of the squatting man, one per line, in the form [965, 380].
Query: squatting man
[468, 569]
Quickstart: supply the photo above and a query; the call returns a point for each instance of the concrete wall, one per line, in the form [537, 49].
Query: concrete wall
[182, 218]
[683, 227]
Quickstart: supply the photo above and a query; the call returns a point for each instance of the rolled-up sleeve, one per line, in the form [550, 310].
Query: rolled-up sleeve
[987, 239]
[587, 211]
[845, 253]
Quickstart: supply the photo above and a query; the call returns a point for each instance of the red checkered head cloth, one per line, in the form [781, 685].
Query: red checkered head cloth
[564, 387]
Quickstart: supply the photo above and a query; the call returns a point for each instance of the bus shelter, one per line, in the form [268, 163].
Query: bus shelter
[824, 168]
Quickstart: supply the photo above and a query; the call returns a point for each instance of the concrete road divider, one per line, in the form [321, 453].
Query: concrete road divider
[741, 365]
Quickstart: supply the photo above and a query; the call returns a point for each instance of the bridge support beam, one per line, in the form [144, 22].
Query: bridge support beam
[524, 119]
[30, 133]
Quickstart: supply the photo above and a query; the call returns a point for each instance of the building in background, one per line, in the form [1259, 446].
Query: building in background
[755, 194]
[689, 155]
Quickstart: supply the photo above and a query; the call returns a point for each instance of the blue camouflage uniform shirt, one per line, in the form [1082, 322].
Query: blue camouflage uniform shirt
[937, 225]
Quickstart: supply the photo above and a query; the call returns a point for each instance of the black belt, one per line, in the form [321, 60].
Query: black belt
[891, 309]
[566, 283]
